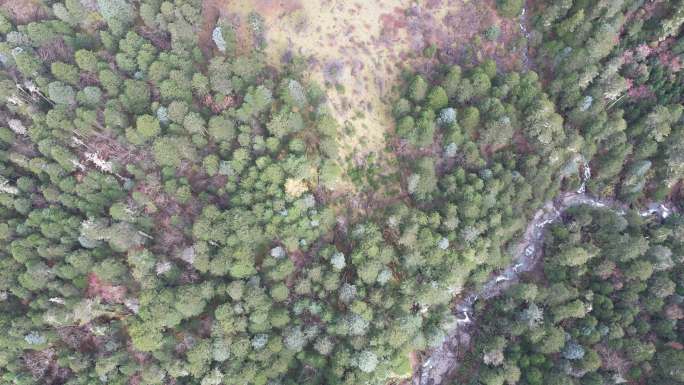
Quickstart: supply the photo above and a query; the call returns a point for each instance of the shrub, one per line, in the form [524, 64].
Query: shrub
[148, 126]
[509, 8]
[61, 93]
[492, 33]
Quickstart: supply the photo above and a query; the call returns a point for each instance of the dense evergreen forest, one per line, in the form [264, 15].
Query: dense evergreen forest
[177, 213]
[604, 309]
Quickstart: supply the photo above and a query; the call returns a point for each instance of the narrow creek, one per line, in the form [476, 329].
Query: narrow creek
[522, 23]
[442, 362]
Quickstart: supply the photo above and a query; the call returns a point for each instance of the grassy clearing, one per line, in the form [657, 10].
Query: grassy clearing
[358, 49]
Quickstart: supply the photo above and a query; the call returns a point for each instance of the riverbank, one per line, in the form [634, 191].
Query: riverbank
[442, 362]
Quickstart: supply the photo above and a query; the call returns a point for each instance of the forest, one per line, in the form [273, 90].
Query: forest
[605, 309]
[175, 212]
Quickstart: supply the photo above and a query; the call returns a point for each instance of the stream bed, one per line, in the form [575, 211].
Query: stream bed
[442, 361]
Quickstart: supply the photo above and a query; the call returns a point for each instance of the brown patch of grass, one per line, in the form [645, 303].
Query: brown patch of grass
[24, 11]
[276, 8]
[360, 48]
[108, 292]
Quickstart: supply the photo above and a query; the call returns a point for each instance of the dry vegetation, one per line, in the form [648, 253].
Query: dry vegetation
[359, 48]
[23, 11]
